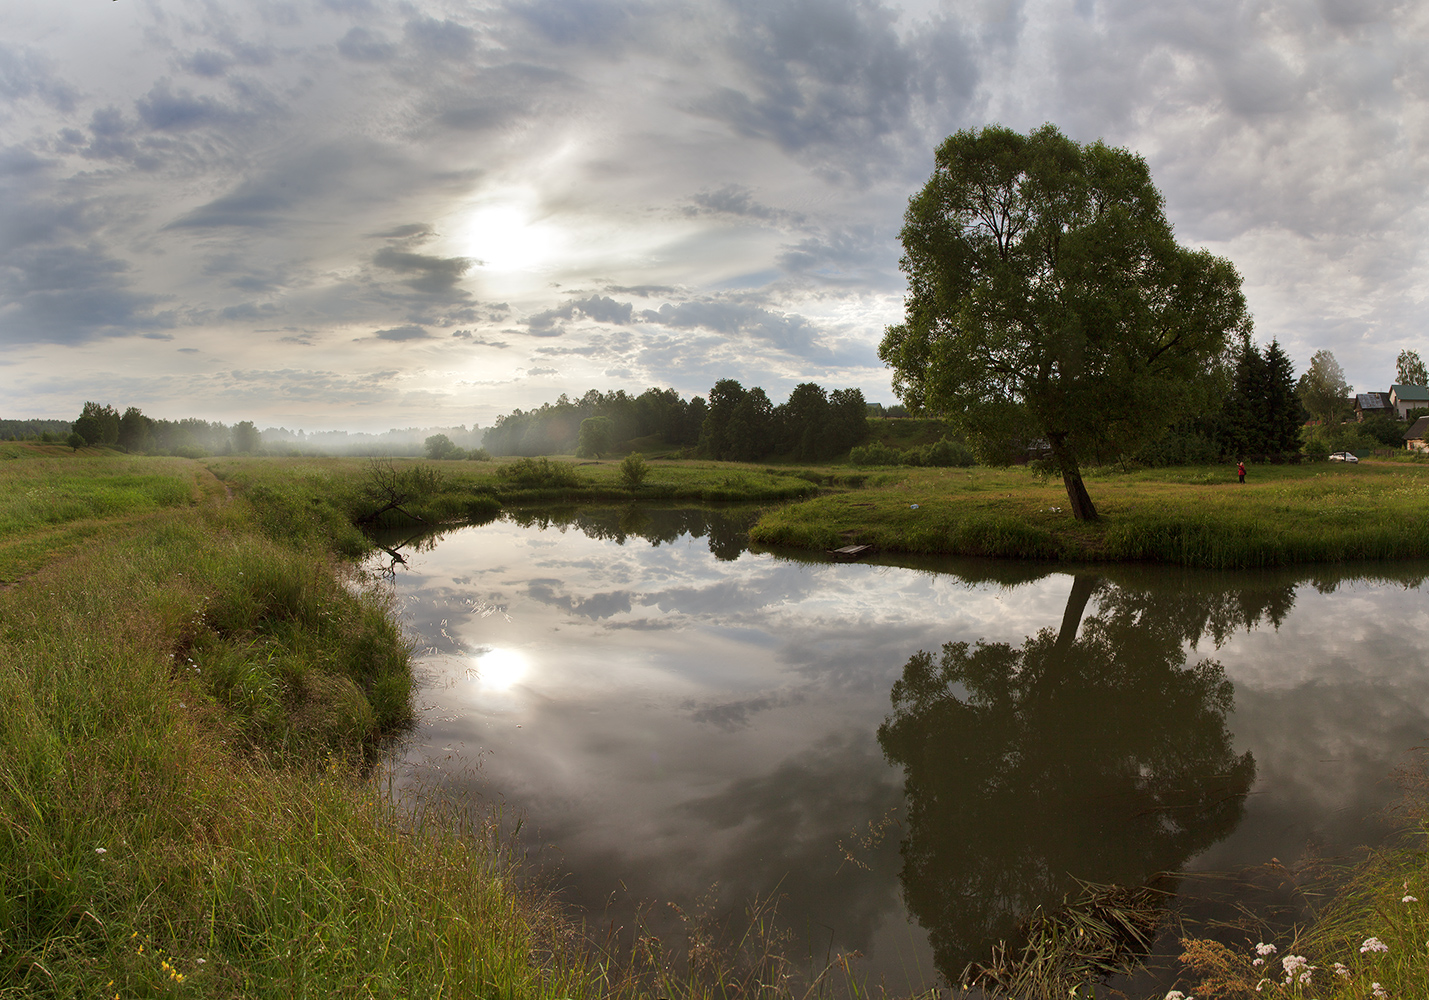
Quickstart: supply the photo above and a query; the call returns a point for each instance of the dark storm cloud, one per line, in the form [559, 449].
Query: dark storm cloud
[435, 275]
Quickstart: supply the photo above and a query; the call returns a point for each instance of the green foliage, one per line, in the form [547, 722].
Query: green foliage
[1409, 369]
[1048, 297]
[633, 470]
[539, 472]
[875, 453]
[75, 440]
[246, 439]
[597, 436]
[1386, 431]
[441, 447]
[944, 453]
[1323, 389]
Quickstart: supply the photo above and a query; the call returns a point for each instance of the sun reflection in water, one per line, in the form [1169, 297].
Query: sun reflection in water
[500, 669]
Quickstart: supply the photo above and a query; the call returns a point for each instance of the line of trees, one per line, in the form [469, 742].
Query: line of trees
[132, 431]
[736, 423]
[555, 428]
[743, 425]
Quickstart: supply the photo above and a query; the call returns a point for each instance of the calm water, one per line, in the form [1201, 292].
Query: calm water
[911, 756]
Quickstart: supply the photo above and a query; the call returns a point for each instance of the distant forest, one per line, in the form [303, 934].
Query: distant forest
[736, 423]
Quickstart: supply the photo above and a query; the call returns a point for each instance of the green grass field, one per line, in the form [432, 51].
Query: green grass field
[1201, 517]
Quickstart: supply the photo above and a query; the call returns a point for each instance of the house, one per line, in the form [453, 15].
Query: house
[1414, 437]
[1408, 397]
[1372, 404]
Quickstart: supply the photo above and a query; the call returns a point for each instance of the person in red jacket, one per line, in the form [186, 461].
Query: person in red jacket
[1240, 471]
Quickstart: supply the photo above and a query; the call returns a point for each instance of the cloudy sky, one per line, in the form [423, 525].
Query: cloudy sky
[366, 214]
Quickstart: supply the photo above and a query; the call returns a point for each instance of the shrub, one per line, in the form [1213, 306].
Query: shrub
[634, 470]
[875, 454]
[532, 472]
[478, 455]
[942, 454]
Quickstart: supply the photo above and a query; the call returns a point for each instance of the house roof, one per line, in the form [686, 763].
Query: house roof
[1411, 393]
[1417, 430]
[1372, 400]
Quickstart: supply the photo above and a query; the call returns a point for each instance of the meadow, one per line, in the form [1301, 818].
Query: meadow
[1195, 516]
[196, 685]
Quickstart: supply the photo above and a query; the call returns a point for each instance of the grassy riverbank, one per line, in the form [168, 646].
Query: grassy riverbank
[1198, 517]
[187, 688]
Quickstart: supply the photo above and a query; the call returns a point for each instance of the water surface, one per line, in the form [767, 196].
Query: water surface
[909, 757]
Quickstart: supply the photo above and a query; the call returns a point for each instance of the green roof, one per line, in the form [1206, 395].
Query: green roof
[1411, 393]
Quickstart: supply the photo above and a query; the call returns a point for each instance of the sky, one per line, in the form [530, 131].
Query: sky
[364, 214]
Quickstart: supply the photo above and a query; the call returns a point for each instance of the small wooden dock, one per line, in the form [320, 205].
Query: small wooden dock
[851, 552]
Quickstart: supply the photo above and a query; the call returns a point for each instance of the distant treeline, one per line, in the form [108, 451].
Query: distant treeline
[736, 423]
[100, 424]
[555, 428]
[34, 430]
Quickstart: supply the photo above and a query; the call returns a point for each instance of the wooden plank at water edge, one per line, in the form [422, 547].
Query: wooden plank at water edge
[849, 552]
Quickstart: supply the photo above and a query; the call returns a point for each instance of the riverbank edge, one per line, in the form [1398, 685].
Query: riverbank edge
[1262, 529]
[163, 832]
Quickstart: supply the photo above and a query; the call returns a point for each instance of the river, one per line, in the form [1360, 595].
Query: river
[907, 755]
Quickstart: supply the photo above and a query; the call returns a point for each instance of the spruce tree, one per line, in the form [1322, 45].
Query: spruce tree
[1282, 407]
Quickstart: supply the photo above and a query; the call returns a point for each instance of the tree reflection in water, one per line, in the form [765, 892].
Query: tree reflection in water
[1101, 757]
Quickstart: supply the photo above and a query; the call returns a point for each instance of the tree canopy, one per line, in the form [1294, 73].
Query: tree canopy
[1323, 389]
[1409, 369]
[1048, 298]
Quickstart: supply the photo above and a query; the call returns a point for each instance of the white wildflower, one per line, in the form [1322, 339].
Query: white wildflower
[1410, 899]
[100, 850]
[1373, 944]
[1293, 964]
[1175, 995]
[1341, 970]
[1380, 993]
[1265, 949]
[1258, 961]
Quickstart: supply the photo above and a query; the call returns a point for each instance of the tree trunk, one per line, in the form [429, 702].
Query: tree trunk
[1084, 585]
[1082, 508]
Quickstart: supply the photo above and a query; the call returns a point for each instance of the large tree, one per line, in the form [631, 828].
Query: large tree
[1409, 369]
[1048, 298]
[1323, 389]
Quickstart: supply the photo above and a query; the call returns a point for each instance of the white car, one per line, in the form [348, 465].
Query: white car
[1343, 456]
